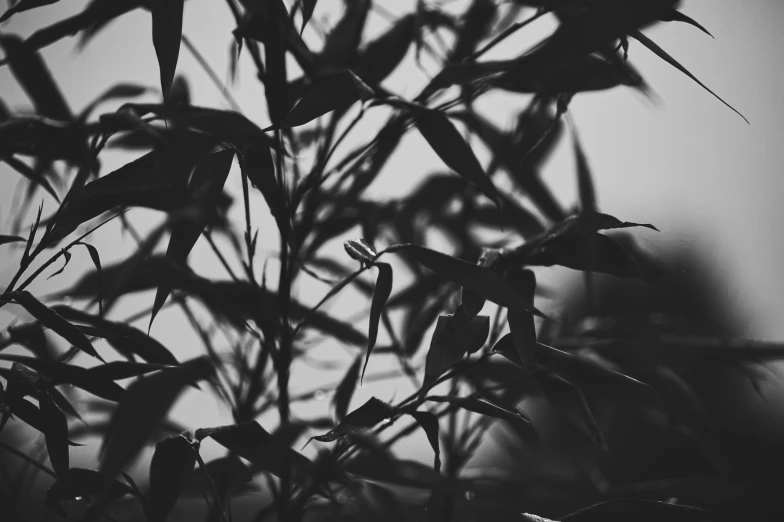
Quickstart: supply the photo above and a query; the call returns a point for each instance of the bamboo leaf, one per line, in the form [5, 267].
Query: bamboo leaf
[673, 15]
[429, 423]
[345, 390]
[172, 463]
[364, 417]
[4, 239]
[569, 401]
[489, 409]
[55, 434]
[166, 35]
[307, 12]
[455, 335]
[521, 323]
[380, 295]
[335, 92]
[96, 259]
[25, 5]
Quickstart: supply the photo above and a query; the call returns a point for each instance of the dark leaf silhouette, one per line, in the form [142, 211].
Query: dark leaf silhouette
[328, 94]
[256, 163]
[166, 34]
[253, 443]
[429, 423]
[33, 75]
[25, 5]
[307, 11]
[53, 320]
[144, 406]
[364, 417]
[661, 53]
[96, 259]
[342, 42]
[56, 434]
[521, 323]
[673, 15]
[4, 240]
[380, 295]
[345, 390]
[67, 256]
[31, 175]
[118, 370]
[489, 409]
[454, 337]
[119, 91]
[482, 280]
[385, 53]
[171, 464]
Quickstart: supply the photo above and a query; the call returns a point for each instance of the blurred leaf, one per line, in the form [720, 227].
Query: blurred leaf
[450, 146]
[122, 337]
[83, 483]
[25, 5]
[521, 324]
[585, 186]
[661, 53]
[482, 280]
[115, 92]
[570, 402]
[56, 434]
[204, 191]
[172, 463]
[96, 259]
[476, 23]
[342, 42]
[118, 370]
[455, 335]
[166, 34]
[307, 11]
[383, 55]
[345, 390]
[489, 409]
[256, 163]
[30, 174]
[337, 91]
[253, 443]
[364, 417]
[53, 320]
[622, 509]
[380, 295]
[144, 406]
[33, 75]
[61, 373]
[429, 423]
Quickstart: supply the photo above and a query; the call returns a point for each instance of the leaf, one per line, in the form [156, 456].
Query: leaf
[33, 75]
[81, 483]
[61, 373]
[122, 337]
[96, 259]
[585, 187]
[360, 250]
[67, 256]
[489, 409]
[570, 403]
[673, 15]
[521, 324]
[345, 390]
[31, 237]
[25, 5]
[166, 35]
[31, 175]
[253, 443]
[56, 434]
[4, 240]
[429, 423]
[205, 189]
[455, 335]
[364, 417]
[53, 320]
[380, 295]
[117, 91]
[118, 370]
[622, 509]
[276, 73]
[627, 392]
[482, 280]
[661, 53]
[327, 94]
[172, 463]
[256, 163]
[341, 44]
[383, 55]
[307, 11]
[450, 146]
[144, 406]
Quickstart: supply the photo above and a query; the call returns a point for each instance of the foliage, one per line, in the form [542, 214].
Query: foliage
[470, 369]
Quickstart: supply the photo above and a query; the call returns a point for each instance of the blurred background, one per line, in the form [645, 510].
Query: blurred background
[681, 161]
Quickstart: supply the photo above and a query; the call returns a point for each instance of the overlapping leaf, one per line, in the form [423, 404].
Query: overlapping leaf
[166, 34]
[454, 337]
[171, 464]
[380, 295]
[364, 417]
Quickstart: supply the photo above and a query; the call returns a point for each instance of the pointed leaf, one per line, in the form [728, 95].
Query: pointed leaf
[345, 390]
[172, 463]
[118, 370]
[56, 434]
[4, 240]
[429, 423]
[256, 163]
[455, 336]
[585, 187]
[383, 55]
[482, 280]
[327, 94]
[53, 320]
[364, 417]
[661, 53]
[96, 259]
[450, 146]
[343, 41]
[673, 15]
[253, 443]
[166, 35]
[31, 175]
[307, 11]
[380, 295]
[67, 256]
[489, 409]
[144, 406]
[118, 91]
